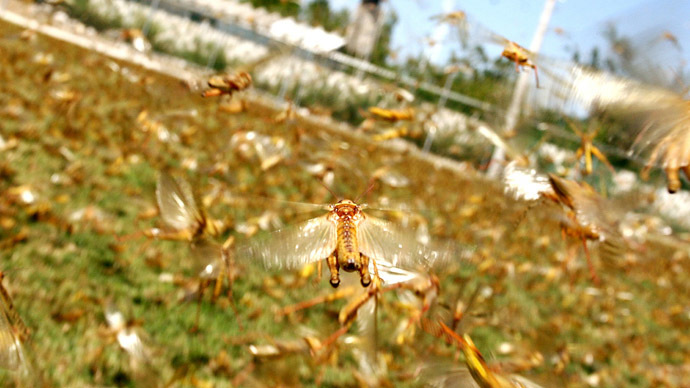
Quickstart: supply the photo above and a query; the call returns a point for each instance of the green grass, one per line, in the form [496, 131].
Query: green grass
[77, 266]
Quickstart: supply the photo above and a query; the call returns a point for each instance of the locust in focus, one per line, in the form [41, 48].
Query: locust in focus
[348, 239]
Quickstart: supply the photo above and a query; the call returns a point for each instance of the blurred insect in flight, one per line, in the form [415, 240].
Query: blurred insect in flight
[392, 115]
[13, 336]
[484, 375]
[588, 215]
[179, 210]
[520, 55]
[454, 17]
[348, 239]
[228, 84]
[587, 148]
[655, 119]
[468, 29]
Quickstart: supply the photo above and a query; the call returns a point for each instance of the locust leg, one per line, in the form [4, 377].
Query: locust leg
[333, 266]
[365, 277]
[349, 312]
[377, 279]
[200, 292]
[536, 75]
[592, 273]
[686, 170]
[219, 285]
[600, 155]
[328, 342]
[342, 293]
[578, 153]
[672, 176]
[588, 159]
[319, 268]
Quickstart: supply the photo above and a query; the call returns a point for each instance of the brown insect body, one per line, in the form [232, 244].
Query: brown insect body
[348, 239]
[228, 84]
[347, 215]
[520, 56]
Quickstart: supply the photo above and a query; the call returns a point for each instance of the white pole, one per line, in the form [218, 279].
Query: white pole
[520, 88]
[149, 16]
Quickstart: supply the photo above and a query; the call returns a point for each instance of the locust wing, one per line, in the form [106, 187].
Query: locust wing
[130, 339]
[11, 349]
[590, 208]
[655, 118]
[207, 259]
[294, 246]
[371, 367]
[443, 374]
[176, 202]
[385, 241]
[12, 355]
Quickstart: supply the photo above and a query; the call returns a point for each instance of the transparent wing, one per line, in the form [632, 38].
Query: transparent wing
[391, 274]
[371, 367]
[522, 382]
[654, 116]
[208, 259]
[443, 374]
[590, 208]
[384, 241]
[12, 354]
[176, 202]
[11, 350]
[294, 246]
[130, 339]
[524, 183]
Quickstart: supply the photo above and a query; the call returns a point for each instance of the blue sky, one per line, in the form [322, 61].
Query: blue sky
[582, 20]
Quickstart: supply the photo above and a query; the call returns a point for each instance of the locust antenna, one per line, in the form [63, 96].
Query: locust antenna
[372, 182]
[327, 188]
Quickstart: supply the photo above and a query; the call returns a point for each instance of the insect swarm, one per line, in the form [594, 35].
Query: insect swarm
[469, 29]
[654, 119]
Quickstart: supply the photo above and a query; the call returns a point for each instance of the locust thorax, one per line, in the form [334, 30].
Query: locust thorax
[348, 215]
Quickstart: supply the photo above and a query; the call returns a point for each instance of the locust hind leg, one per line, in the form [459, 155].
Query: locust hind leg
[334, 267]
[592, 272]
[203, 284]
[536, 74]
[319, 268]
[365, 277]
[364, 272]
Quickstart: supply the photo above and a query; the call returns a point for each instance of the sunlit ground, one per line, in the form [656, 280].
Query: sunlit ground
[76, 139]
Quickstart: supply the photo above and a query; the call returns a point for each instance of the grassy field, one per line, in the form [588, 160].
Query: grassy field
[87, 137]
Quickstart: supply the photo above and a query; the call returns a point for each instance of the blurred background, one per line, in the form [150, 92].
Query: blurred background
[150, 150]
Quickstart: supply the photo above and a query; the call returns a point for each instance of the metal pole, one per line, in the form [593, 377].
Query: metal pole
[446, 89]
[520, 88]
[379, 28]
[147, 25]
